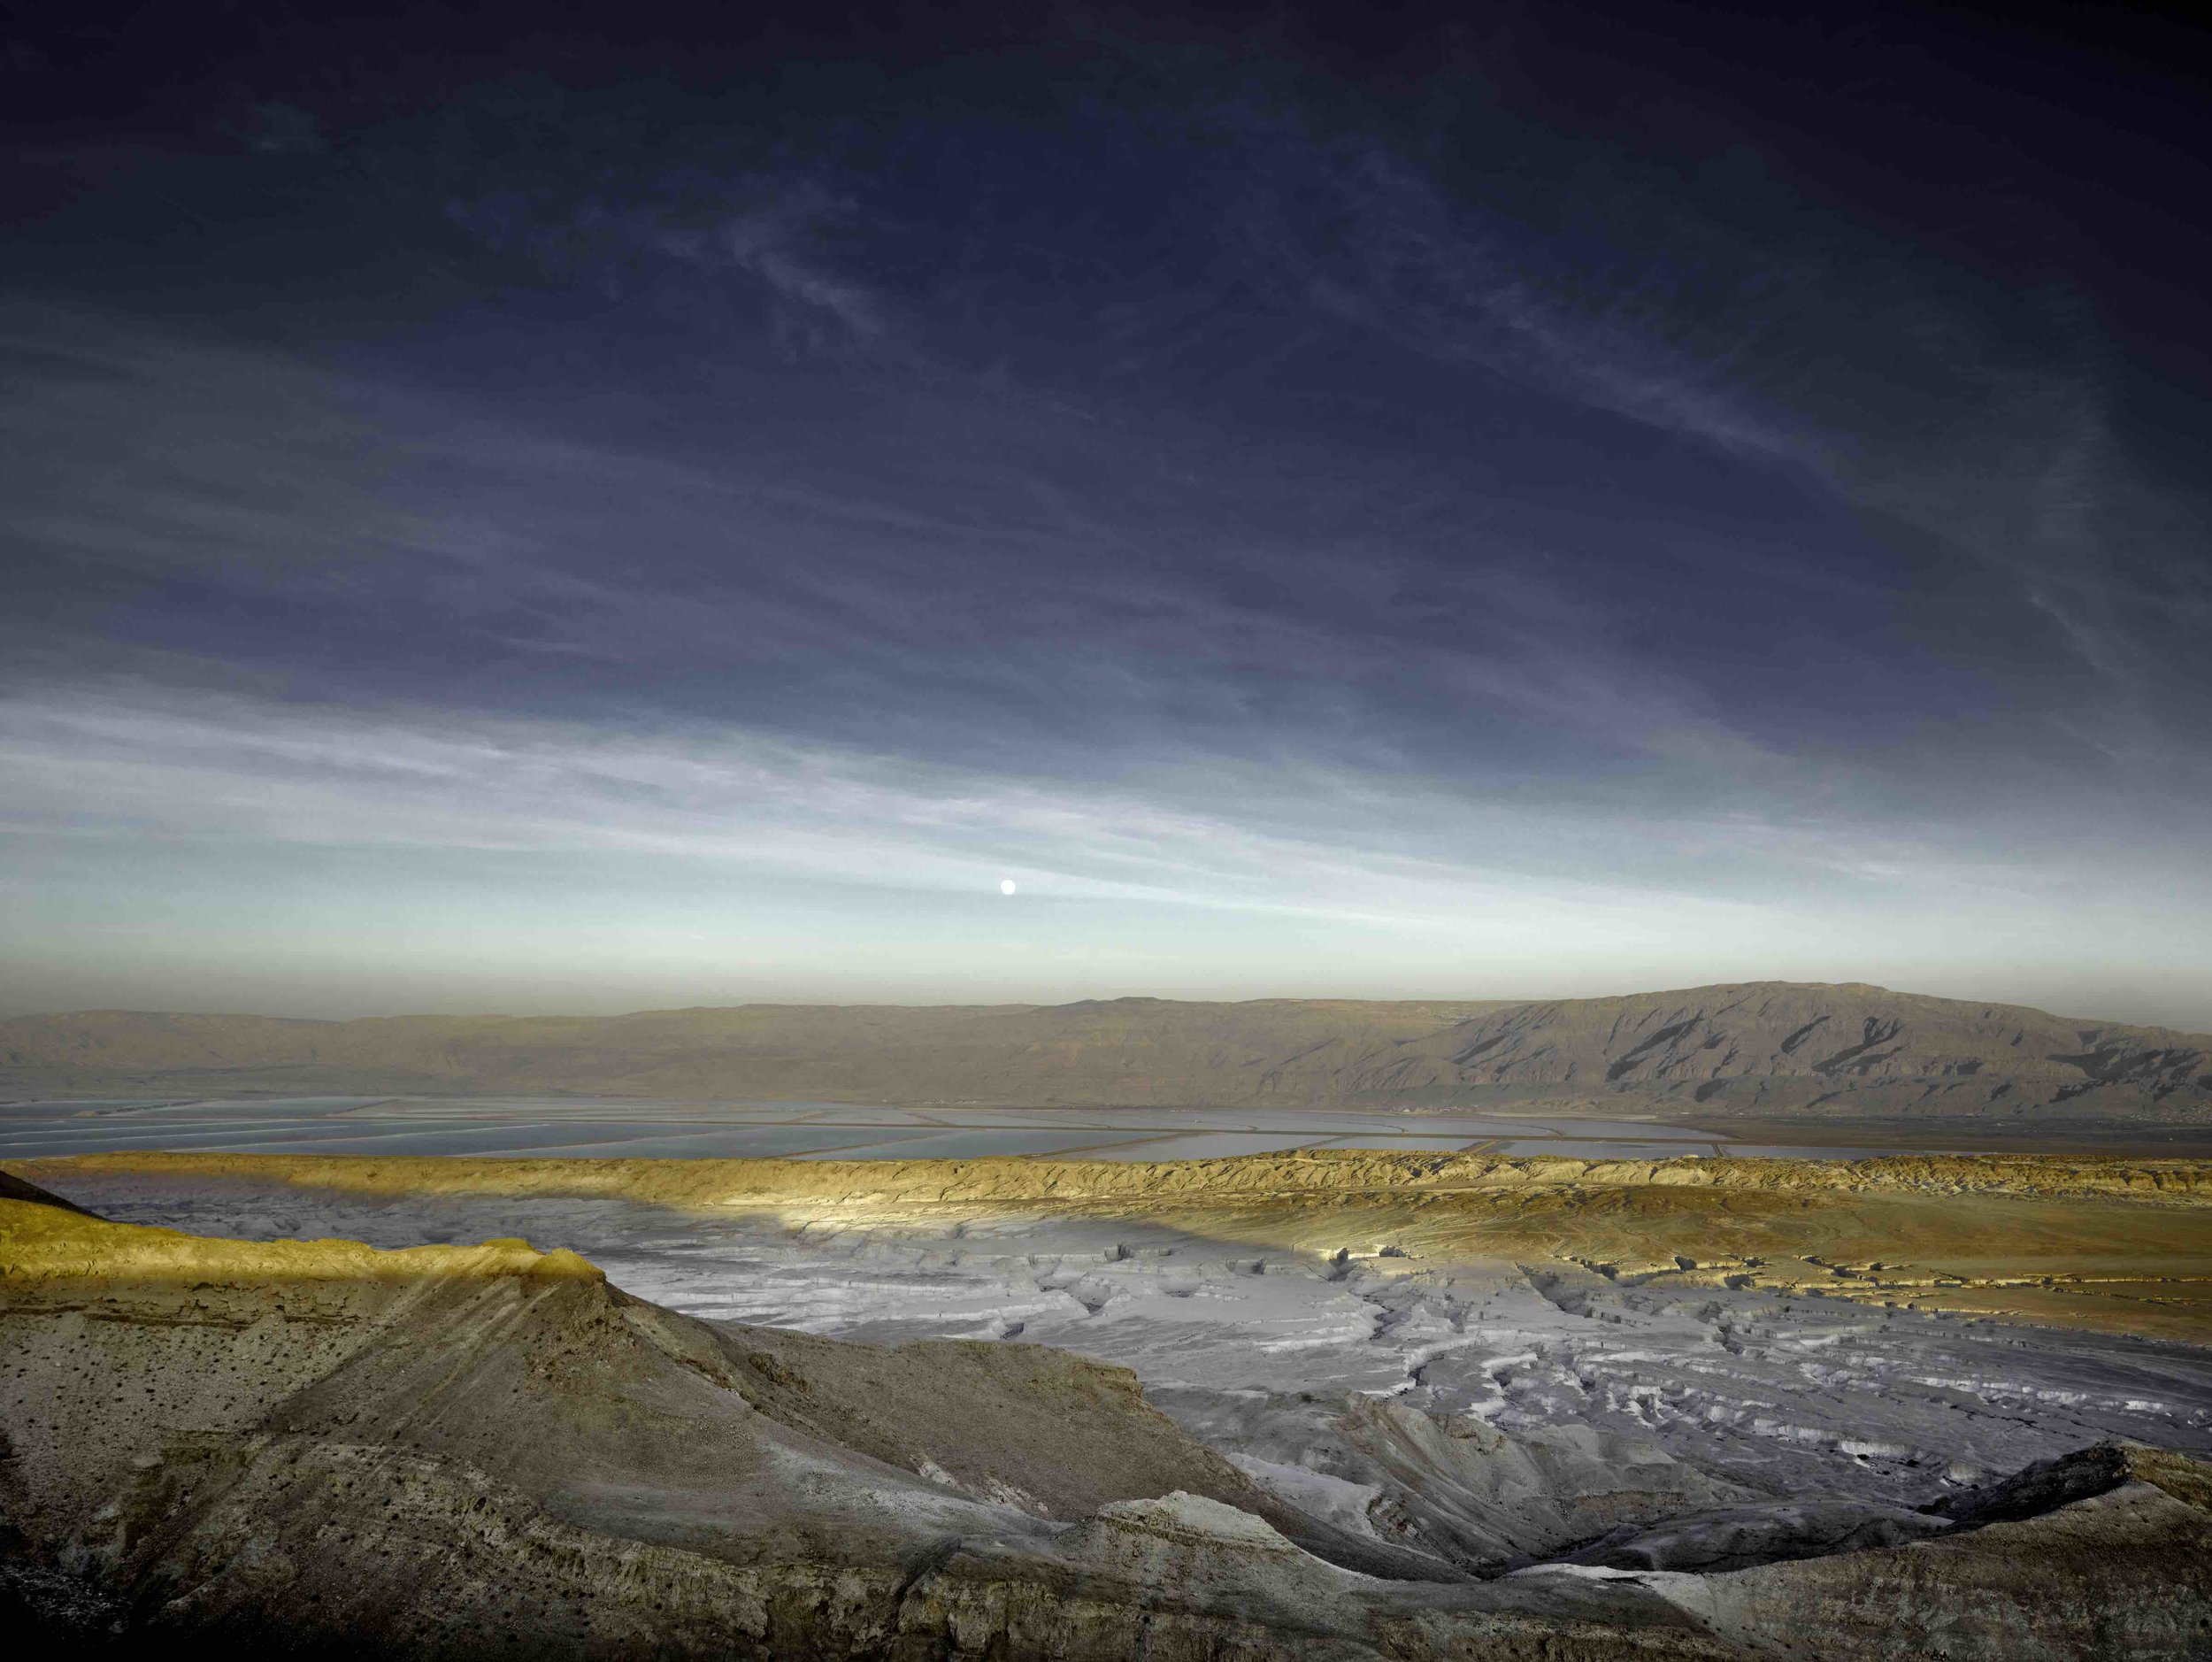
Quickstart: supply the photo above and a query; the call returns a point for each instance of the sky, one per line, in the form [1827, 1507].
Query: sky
[592, 509]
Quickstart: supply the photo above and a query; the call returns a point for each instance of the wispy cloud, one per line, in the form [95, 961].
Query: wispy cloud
[1282, 526]
[148, 767]
[387, 519]
[1866, 373]
[669, 861]
[1425, 269]
[779, 241]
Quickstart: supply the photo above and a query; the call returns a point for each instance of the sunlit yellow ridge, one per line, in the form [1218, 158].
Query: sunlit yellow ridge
[2113, 1244]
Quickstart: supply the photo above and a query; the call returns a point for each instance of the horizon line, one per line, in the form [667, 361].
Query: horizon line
[1490, 1005]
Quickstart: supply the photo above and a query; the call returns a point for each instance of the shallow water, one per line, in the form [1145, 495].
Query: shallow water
[1209, 1146]
[963, 1145]
[579, 1126]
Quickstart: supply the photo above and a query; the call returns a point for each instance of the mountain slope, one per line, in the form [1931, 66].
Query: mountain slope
[1758, 1050]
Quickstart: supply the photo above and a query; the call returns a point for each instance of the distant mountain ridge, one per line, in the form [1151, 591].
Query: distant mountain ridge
[1754, 1049]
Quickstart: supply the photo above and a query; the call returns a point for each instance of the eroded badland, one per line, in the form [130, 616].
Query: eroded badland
[1344, 1405]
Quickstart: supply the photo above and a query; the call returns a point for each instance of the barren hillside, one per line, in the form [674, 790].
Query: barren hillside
[1758, 1050]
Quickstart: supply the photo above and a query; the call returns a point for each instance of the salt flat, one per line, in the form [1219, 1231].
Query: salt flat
[618, 1128]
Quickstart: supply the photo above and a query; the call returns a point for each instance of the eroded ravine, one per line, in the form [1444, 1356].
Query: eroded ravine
[1536, 1298]
[1362, 1451]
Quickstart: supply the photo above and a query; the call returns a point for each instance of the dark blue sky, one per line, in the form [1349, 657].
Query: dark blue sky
[506, 514]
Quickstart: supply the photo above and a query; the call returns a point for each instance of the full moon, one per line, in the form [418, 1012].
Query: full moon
[1006, 886]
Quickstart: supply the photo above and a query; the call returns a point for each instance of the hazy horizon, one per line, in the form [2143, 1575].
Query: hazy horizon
[345, 1013]
[1547, 504]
